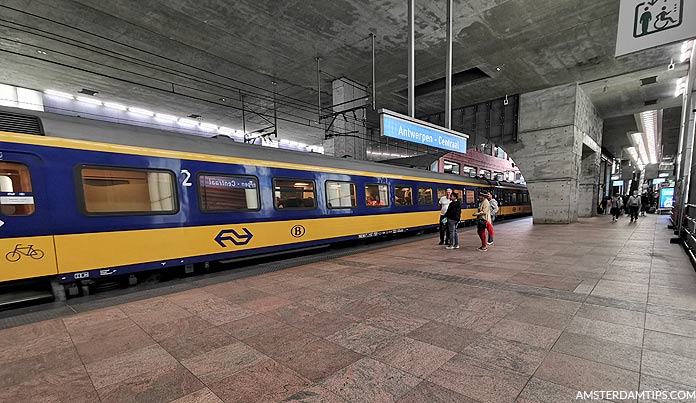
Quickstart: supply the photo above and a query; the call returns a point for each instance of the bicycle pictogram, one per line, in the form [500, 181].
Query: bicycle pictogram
[20, 251]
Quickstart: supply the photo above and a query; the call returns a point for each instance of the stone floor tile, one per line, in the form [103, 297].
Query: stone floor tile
[608, 331]
[537, 336]
[115, 337]
[480, 384]
[428, 392]
[446, 336]
[116, 369]
[612, 315]
[214, 309]
[72, 385]
[539, 317]
[266, 381]
[325, 324]
[265, 304]
[477, 321]
[495, 353]
[669, 324]
[540, 391]
[670, 343]
[33, 339]
[669, 367]
[648, 383]
[317, 359]
[196, 341]
[396, 322]
[18, 370]
[153, 311]
[292, 313]
[552, 305]
[413, 356]
[220, 363]
[599, 350]
[204, 395]
[368, 380]
[251, 326]
[176, 327]
[299, 294]
[280, 340]
[362, 338]
[620, 290]
[573, 372]
[160, 385]
[314, 394]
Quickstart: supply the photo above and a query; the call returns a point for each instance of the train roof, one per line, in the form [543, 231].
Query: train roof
[78, 128]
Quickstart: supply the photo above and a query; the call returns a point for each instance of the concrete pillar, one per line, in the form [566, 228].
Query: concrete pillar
[353, 144]
[555, 125]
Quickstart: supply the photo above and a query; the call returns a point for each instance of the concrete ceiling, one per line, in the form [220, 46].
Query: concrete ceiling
[183, 56]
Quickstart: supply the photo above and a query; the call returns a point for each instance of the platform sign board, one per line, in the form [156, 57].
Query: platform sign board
[405, 128]
[666, 197]
[646, 24]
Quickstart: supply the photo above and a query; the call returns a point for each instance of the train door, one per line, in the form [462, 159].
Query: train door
[26, 241]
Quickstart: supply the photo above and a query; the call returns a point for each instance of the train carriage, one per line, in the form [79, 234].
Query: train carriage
[92, 199]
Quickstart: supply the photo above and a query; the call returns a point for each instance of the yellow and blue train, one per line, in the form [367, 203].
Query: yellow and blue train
[87, 199]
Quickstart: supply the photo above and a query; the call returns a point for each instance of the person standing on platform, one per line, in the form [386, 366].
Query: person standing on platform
[454, 215]
[483, 219]
[616, 204]
[608, 209]
[634, 205]
[444, 203]
[494, 210]
[644, 203]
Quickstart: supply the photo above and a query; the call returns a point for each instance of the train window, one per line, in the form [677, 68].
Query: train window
[451, 167]
[294, 194]
[485, 173]
[514, 196]
[403, 195]
[341, 194]
[470, 197]
[425, 196]
[16, 197]
[218, 193]
[108, 190]
[469, 171]
[376, 195]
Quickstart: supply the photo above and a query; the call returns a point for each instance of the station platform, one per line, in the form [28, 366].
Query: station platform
[546, 312]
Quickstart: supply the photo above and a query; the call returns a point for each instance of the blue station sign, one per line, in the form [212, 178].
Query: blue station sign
[404, 128]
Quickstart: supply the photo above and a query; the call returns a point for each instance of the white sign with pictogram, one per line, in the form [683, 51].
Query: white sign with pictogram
[646, 24]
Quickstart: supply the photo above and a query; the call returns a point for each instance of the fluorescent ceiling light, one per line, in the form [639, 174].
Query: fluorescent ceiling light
[188, 122]
[116, 106]
[59, 94]
[663, 175]
[89, 100]
[165, 118]
[140, 111]
[649, 120]
[208, 126]
[225, 130]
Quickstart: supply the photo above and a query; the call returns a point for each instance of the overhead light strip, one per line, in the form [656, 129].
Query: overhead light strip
[649, 121]
[181, 121]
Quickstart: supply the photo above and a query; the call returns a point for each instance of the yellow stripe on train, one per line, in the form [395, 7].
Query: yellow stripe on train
[81, 252]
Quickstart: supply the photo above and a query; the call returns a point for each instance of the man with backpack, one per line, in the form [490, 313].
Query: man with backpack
[634, 205]
[494, 210]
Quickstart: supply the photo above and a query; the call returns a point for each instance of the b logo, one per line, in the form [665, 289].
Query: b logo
[297, 231]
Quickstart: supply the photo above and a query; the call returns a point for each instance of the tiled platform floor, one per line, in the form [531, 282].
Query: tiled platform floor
[548, 311]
